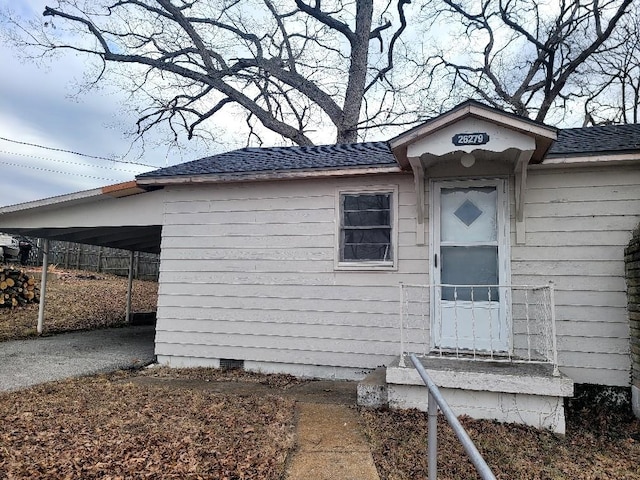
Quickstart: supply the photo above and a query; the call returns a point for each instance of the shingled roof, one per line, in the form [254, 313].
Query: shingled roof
[248, 161]
[265, 160]
[596, 140]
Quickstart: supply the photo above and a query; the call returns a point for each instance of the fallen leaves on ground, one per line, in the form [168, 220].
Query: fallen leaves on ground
[399, 447]
[108, 428]
[77, 300]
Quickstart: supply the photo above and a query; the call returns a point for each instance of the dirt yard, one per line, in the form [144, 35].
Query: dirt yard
[596, 446]
[116, 427]
[78, 300]
[106, 427]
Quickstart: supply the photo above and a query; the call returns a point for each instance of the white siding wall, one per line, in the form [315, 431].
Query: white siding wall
[247, 272]
[578, 223]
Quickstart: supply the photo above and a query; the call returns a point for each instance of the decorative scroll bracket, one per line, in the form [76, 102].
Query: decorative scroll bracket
[520, 173]
[418, 177]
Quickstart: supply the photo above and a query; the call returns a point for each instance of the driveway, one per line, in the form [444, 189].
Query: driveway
[28, 362]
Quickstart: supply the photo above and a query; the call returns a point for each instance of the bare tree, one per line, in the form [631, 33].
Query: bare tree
[291, 66]
[615, 96]
[524, 55]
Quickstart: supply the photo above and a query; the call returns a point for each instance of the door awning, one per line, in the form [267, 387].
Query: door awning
[472, 128]
[473, 140]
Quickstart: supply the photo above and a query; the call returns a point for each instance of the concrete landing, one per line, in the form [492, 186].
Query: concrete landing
[509, 392]
[330, 445]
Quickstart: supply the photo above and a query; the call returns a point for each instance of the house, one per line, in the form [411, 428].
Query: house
[489, 243]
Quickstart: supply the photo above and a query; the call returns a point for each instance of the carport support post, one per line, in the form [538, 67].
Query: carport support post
[43, 283]
[130, 286]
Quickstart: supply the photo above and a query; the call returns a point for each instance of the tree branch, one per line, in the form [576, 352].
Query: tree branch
[327, 20]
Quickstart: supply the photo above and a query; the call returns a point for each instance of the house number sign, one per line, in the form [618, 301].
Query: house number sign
[470, 138]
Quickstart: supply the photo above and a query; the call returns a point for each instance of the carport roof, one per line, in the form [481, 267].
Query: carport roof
[119, 216]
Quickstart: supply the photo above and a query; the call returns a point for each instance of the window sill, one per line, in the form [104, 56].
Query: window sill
[365, 266]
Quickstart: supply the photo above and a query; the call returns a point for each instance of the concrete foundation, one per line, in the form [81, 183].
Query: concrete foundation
[325, 372]
[635, 400]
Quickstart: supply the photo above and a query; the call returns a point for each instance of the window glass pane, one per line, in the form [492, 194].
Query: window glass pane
[370, 235]
[367, 217]
[365, 251]
[469, 266]
[468, 214]
[365, 227]
[366, 201]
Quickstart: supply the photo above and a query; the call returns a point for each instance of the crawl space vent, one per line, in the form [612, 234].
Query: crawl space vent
[230, 364]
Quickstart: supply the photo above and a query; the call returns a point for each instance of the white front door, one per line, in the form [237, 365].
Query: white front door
[469, 242]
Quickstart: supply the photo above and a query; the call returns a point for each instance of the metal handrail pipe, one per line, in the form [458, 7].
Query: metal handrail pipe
[474, 455]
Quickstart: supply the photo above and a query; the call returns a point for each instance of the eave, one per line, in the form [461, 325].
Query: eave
[264, 176]
[117, 190]
[603, 158]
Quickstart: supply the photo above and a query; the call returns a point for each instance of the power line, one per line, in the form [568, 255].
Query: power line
[56, 171]
[67, 162]
[74, 153]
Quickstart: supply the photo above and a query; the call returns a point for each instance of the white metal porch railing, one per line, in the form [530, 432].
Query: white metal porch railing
[497, 322]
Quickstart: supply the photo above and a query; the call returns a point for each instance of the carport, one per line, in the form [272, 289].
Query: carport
[122, 216]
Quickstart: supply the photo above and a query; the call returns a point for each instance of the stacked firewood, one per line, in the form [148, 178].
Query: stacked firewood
[16, 288]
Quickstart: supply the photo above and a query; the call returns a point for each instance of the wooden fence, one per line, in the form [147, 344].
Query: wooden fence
[97, 259]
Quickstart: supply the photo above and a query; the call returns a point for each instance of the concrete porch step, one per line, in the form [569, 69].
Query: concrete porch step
[505, 391]
[372, 390]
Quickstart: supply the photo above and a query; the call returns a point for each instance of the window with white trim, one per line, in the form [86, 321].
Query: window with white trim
[366, 231]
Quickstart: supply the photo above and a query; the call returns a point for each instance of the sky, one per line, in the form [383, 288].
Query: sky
[38, 106]
[42, 121]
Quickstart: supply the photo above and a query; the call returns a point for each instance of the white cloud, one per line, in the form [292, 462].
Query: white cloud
[34, 109]
[37, 106]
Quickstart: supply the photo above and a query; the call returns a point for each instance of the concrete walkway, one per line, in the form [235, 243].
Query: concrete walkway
[330, 445]
[37, 360]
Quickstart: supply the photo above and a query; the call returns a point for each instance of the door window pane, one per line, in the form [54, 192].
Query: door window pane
[469, 266]
[468, 214]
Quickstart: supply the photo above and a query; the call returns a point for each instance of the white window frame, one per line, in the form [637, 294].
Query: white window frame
[367, 264]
